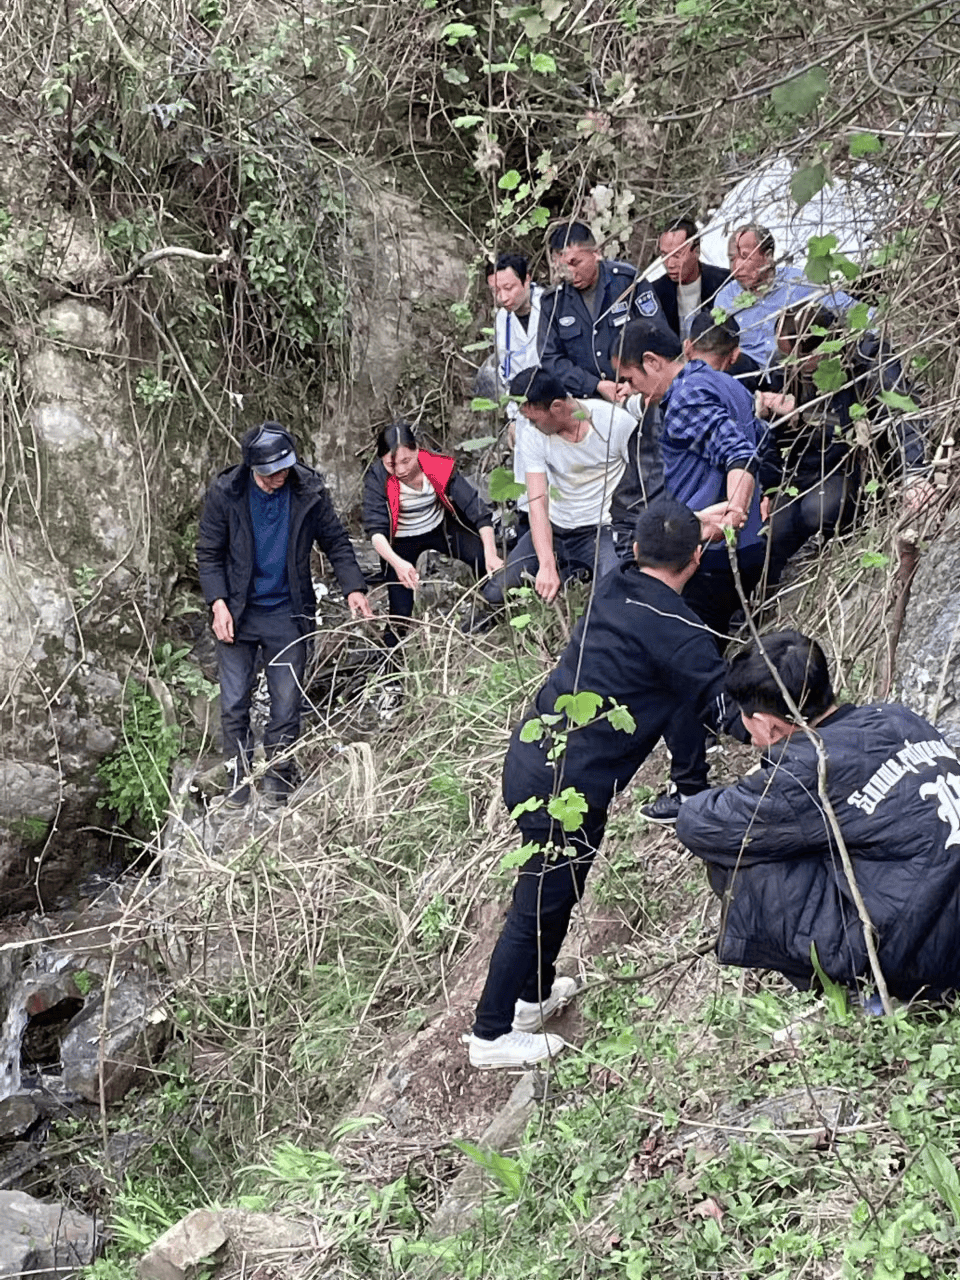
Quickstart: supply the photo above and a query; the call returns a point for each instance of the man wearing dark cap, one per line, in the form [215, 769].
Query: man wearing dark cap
[257, 530]
[582, 317]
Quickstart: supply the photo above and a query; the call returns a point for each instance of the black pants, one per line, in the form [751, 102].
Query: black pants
[574, 550]
[826, 503]
[278, 638]
[712, 595]
[450, 540]
[549, 886]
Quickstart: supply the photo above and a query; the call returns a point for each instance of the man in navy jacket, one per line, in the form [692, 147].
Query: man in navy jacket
[771, 853]
[258, 527]
[582, 317]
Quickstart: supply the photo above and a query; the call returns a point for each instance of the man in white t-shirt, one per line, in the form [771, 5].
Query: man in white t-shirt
[572, 463]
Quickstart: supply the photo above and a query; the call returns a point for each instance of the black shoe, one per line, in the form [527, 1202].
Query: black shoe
[664, 810]
[277, 788]
[239, 798]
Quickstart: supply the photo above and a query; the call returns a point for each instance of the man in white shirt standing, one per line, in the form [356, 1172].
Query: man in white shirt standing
[518, 346]
[572, 463]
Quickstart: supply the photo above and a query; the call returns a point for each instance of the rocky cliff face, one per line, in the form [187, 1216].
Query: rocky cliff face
[928, 656]
[110, 433]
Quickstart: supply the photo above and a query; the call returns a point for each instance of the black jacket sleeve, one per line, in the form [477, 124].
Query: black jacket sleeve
[469, 505]
[332, 539]
[376, 513]
[212, 544]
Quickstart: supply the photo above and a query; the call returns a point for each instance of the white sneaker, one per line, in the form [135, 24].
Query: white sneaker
[530, 1015]
[515, 1049]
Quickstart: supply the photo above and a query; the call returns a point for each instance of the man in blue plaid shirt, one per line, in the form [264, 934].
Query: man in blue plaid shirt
[711, 444]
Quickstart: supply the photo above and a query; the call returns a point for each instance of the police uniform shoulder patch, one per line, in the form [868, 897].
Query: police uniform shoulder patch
[647, 303]
[618, 307]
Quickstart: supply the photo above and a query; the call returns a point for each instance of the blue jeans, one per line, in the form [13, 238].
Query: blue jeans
[278, 637]
[522, 966]
[574, 549]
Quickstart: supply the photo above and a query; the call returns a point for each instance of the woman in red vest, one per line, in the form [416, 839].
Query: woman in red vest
[415, 501]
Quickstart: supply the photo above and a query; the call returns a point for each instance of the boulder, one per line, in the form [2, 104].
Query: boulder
[208, 1234]
[43, 1241]
[137, 1027]
[928, 655]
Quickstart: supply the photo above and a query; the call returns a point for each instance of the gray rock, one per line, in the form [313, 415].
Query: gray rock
[205, 1233]
[17, 1114]
[466, 1192]
[928, 655]
[44, 1241]
[137, 1027]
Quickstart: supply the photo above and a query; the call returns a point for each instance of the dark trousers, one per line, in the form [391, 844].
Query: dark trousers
[712, 595]
[277, 637]
[574, 549]
[548, 887]
[826, 502]
[450, 540]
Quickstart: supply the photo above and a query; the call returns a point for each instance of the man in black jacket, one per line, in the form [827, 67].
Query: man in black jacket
[770, 850]
[634, 658]
[689, 285]
[257, 530]
[581, 318]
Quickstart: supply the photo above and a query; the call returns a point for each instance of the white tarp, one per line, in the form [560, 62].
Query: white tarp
[850, 210]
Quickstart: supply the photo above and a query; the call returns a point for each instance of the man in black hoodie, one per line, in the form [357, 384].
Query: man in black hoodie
[637, 654]
[259, 524]
[771, 850]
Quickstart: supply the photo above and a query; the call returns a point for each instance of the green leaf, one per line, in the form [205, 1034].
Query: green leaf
[857, 411]
[568, 808]
[800, 96]
[805, 183]
[535, 27]
[510, 180]
[540, 216]
[821, 246]
[543, 62]
[943, 1176]
[517, 857]
[897, 401]
[455, 75]
[580, 708]
[480, 404]
[530, 805]
[503, 487]
[552, 9]
[455, 31]
[467, 122]
[829, 375]
[862, 144]
[874, 560]
[620, 718]
[520, 621]
[498, 68]
[531, 730]
[858, 317]
[872, 486]
[834, 993]
[478, 442]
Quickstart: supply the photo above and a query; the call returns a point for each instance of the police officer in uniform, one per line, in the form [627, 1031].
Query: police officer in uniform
[582, 317]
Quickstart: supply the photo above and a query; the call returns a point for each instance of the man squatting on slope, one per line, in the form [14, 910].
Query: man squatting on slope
[770, 852]
[638, 648]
